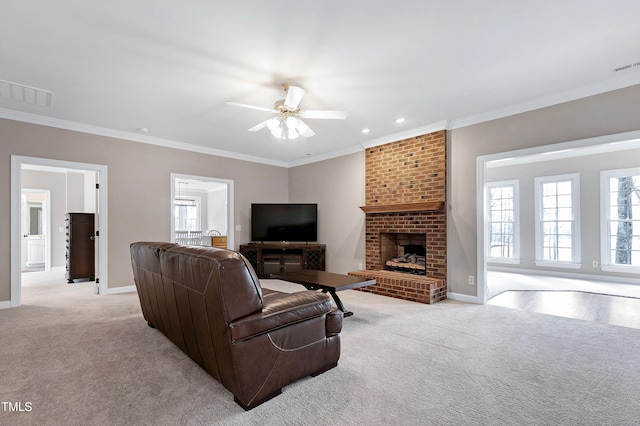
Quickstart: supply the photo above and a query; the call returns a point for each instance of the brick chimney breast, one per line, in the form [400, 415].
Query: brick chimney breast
[405, 193]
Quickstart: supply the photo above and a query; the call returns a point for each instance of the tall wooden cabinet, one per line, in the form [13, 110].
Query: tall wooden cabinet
[80, 238]
[276, 258]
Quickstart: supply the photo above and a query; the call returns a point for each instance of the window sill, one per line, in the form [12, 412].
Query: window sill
[566, 265]
[503, 260]
[620, 269]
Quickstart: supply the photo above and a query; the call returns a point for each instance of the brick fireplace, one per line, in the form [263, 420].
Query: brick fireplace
[405, 206]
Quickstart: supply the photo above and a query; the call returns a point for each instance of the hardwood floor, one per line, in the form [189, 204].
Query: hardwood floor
[588, 300]
[600, 308]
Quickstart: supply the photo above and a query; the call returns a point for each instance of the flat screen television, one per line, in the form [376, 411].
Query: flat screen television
[284, 222]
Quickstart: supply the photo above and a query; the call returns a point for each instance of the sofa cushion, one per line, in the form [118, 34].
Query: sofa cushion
[280, 310]
[203, 269]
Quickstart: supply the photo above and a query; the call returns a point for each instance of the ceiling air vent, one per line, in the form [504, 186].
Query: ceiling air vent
[627, 67]
[21, 93]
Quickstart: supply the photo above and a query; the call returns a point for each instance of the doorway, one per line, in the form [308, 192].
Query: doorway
[90, 180]
[202, 211]
[521, 158]
[36, 230]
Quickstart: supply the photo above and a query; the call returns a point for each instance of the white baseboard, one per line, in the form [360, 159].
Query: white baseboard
[563, 274]
[118, 290]
[5, 305]
[464, 298]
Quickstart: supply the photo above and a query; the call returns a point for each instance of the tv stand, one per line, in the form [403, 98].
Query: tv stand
[277, 258]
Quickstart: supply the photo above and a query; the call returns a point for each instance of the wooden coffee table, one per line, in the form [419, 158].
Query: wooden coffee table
[327, 282]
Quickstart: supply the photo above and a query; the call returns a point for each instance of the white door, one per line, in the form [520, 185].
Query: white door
[35, 225]
[35, 251]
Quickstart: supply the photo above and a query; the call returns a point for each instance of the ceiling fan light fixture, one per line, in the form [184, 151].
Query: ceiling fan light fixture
[275, 127]
[292, 122]
[288, 123]
[273, 124]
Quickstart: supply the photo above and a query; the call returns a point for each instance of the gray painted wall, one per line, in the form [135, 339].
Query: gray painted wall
[337, 185]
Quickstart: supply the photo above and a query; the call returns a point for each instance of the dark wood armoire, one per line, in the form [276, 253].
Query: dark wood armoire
[80, 237]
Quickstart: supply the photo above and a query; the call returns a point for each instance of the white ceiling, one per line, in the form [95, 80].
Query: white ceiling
[117, 66]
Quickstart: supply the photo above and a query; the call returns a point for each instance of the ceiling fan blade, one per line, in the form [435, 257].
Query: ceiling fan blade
[308, 133]
[251, 107]
[304, 129]
[294, 96]
[260, 126]
[326, 114]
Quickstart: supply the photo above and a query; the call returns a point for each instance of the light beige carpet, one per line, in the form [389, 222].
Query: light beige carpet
[83, 359]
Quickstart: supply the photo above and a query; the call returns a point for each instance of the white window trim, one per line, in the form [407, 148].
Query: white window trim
[515, 183]
[605, 240]
[575, 231]
[198, 207]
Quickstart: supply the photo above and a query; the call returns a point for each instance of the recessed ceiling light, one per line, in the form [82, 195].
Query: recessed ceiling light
[400, 120]
[365, 130]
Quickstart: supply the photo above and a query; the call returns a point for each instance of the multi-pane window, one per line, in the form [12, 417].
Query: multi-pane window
[621, 220]
[187, 217]
[503, 221]
[557, 224]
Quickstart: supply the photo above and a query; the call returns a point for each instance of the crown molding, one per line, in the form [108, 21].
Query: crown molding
[571, 149]
[326, 156]
[418, 131]
[631, 79]
[547, 101]
[411, 133]
[134, 137]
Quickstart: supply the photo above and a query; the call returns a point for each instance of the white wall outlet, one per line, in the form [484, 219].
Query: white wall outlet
[595, 263]
[60, 228]
[360, 266]
[238, 228]
[471, 280]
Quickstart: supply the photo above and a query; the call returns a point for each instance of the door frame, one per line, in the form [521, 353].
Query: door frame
[17, 161]
[599, 144]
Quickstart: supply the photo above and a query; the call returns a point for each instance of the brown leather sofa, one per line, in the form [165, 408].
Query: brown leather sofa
[254, 341]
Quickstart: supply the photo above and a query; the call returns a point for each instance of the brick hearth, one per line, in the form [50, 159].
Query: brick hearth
[416, 288]
[405, 194]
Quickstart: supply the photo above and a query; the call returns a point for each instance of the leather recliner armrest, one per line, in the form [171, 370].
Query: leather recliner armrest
[334, 322]
[281, 311]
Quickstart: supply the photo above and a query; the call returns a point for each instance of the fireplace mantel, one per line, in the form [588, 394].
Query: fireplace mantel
[402, 208]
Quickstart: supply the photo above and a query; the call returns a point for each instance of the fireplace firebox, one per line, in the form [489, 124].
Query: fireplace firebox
[404, 252]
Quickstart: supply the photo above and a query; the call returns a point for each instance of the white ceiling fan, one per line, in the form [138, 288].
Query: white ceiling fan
[288, 123]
